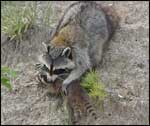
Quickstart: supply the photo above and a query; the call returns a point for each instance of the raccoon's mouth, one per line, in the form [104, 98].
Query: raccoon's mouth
[57, 74]
[52, 74]
[49, 79]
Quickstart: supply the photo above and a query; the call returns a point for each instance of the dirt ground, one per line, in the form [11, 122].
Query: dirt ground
[124, 70]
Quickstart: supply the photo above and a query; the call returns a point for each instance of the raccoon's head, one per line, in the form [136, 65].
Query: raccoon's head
[58, 62]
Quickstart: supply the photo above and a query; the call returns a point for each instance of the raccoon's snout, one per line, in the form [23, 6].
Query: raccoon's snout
[51, 78]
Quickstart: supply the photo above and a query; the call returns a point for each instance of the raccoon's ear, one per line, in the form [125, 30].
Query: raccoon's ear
[66, 52]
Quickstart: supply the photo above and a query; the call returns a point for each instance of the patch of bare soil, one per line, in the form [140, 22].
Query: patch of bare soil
[124, 70]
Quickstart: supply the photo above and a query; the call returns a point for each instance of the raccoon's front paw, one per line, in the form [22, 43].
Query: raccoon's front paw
[64, 88]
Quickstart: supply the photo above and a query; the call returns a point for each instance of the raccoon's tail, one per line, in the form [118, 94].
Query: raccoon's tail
[77, 112]
[90, 110]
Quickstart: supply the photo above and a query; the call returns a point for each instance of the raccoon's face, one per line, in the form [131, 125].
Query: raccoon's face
[58, 63]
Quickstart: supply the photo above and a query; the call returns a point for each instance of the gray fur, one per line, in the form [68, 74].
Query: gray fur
[91, 32]
[59, 62]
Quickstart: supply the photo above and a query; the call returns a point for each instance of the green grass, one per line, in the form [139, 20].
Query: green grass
[16, 19]
[94, 86]
[6, 75]
[49, 16]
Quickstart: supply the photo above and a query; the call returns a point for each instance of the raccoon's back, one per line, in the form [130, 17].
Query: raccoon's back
[97, 21]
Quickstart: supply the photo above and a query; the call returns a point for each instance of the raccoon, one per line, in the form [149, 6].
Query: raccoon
[78, 102]
[84, 29]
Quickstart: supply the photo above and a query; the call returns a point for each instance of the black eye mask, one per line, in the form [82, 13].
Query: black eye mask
[61, 71]
[56, 72]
